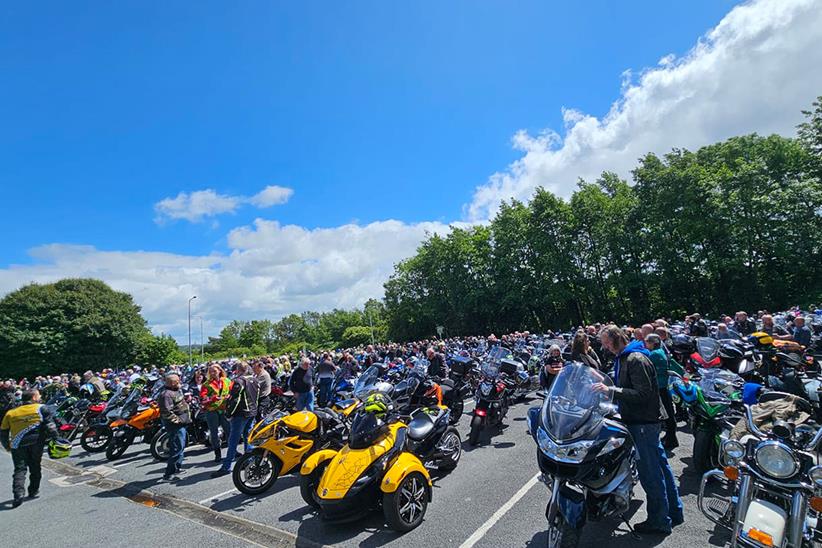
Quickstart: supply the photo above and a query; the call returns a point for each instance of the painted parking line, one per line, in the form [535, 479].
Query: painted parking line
[479, 533]
[218, 497]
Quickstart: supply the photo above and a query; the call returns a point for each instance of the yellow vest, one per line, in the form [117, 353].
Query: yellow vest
[20, 421]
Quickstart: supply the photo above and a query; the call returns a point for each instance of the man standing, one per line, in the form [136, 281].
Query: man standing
[302, 384]
[241, 409]
[801, 332]
[23, 432]
[637, 394]
[175, 414]
[325, 373]
[263, 379]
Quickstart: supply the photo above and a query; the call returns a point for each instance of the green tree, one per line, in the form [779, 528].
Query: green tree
[70, 325]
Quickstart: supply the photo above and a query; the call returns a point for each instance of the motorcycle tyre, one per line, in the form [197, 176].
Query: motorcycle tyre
[276, 466]
[100, 449]
[476, 430]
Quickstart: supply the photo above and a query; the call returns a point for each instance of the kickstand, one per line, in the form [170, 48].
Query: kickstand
[634, 534]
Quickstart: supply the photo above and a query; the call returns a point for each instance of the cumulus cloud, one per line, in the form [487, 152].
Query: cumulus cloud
[753, 72]
[270, 270]
[271, 195]
[197, 205]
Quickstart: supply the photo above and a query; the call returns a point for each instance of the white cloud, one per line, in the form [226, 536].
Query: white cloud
[753, 72]
[194, 207]
[197, 205]
[271, 270]
[271, 195]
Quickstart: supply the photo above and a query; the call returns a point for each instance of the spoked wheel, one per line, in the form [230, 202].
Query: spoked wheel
[95, 439]
[256, 472]
[451, 446]
[405, 508]
[160, 443]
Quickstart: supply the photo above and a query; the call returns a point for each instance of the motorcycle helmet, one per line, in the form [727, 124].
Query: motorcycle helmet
[377, 404]
[760, 339]
[59, 448]
[683, 344]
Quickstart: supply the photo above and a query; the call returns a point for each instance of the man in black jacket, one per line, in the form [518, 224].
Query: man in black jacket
[302, 384]
[436, 364]
[637, 395]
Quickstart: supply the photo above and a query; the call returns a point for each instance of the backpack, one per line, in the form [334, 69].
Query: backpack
[238, 402]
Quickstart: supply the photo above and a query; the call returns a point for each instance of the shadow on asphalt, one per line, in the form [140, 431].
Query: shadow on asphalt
[313, 527]
[240, 501]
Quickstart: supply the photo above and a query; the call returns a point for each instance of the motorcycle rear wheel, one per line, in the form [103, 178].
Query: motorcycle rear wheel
[476, 430]
[256, 464]
[95, 439]
[451, 443]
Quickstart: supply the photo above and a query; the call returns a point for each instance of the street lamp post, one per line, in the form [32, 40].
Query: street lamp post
[189, 329]
[202, 342]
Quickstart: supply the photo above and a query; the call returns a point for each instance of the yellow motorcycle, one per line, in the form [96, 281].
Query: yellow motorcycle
[373, 469]
[281, 442]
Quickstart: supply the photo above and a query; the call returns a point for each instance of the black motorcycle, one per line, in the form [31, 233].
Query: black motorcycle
[433, 439]
[495, 387]
[586, 458]
[196, 432]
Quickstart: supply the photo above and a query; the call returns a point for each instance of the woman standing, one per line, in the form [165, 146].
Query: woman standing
[213, 396]
[581, 351]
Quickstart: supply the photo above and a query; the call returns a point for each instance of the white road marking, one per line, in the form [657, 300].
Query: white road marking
[216, 497]
[479, 533]
[104, 470]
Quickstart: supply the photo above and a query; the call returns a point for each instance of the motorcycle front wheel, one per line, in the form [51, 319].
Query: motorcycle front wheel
[160, 446]
[405, 508]
[562, 535]
[118, 446]
[255, 472]
[95, 439]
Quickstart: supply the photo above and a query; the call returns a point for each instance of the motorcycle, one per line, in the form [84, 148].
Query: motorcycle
[586, 458]
[771, 483]
[135, 418]
[714, 412]
[281, 442]
[196, 432]
[97, 435]
[374, 469]
[493, 393]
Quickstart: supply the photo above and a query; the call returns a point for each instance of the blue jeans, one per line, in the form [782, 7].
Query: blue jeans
[176, 446]
[655, 475]
[214, 420]
[238, 428]
[325, 387]
[304, 401]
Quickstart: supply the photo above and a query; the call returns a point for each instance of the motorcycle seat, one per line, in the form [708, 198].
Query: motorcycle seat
[420, 426]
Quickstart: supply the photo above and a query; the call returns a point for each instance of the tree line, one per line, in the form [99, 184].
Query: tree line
[733, 225]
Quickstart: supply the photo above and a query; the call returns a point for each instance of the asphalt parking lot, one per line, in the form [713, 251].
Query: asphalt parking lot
[492, 499]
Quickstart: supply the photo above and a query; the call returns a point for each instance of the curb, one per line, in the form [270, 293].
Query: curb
[249, 531]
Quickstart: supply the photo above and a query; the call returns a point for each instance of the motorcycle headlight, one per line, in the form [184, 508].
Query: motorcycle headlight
[775, 459]
[815, 474]
[571, 453]
[733, 451]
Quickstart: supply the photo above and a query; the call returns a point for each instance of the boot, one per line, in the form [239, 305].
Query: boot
[217, 457]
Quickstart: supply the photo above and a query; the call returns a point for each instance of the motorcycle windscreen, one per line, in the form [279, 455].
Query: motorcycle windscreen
[719, 384]
[572, 408]
[492, 360]
[707, 348]
[367, 382]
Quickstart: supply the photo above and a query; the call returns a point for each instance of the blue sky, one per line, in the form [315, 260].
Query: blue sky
[368, 110]
[385, 120]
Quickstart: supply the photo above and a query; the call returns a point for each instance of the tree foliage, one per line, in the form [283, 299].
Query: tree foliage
[70, 325]
[734, 225]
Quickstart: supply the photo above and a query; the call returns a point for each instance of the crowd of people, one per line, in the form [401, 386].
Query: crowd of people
[234, 393]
